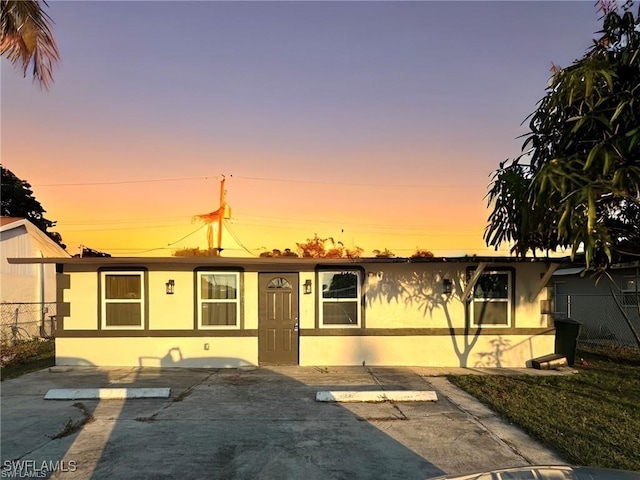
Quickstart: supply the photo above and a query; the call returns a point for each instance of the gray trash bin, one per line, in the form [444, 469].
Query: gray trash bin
[567, 331]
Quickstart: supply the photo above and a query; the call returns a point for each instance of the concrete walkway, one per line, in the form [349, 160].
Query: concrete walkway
[253, 424]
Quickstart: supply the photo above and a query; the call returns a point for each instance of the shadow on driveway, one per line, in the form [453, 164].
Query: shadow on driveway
[247, 423]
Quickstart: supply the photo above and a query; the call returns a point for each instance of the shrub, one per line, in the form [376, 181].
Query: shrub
[22, 352]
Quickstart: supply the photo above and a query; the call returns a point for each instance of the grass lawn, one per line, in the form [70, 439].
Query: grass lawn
[26, 357]
[591, 418]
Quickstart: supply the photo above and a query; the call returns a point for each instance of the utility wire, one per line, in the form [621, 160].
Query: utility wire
[99, 229]
[354, 184]
[228, 225]
[186, 236]
[278, 221]
[122, 182]
[261, 179]
[173, 243]
[119, 221]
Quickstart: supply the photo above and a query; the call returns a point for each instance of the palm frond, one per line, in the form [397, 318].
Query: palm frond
[27, 40]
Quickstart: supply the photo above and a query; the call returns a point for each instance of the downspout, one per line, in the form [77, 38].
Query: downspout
[42, 297]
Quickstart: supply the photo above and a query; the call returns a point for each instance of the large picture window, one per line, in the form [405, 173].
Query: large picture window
[218, 300]
[340, 298]
[492, 301]
[122, 300]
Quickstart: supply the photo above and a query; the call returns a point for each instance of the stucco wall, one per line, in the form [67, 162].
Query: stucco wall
[396, 297]
[171, 312]
[307, 303]
[83, 298]
[411, 296]
[158, 352]
[166, 312]
[423, 350]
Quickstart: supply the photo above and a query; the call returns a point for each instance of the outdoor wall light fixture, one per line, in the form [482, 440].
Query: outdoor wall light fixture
[306, 287]
[447, 286]
[170, 285]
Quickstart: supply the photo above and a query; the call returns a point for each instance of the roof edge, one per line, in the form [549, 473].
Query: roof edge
[278, 260]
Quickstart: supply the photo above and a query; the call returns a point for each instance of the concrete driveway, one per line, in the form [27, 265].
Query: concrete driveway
[261, 423]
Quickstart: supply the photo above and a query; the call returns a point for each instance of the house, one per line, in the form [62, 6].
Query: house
[606, 305]
[230, 312]
[27, 291]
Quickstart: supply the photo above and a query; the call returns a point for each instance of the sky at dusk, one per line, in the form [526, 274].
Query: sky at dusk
[375, 123]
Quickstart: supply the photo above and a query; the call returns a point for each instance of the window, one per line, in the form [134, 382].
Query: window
[339, 303]
[218, 300]
[629, 292]
[122, 300]
[279, 283]
[492, 300]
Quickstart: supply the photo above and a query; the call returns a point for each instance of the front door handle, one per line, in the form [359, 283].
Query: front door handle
[295, 327]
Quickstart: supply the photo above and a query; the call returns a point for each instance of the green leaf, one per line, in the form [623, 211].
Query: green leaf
[592, 155]
[618, 111]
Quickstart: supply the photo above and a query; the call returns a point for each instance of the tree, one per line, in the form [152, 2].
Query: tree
[26, 38]
[317, 247]
[577, 182]
[422, 254]
[17, 200]
[279, 253]
[386, 253]
[90, 252]
[197, 252]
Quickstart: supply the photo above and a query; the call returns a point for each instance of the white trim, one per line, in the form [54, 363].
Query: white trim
[343, 396]
[200, 301]
[468, 290]
[48, 247]
[104, 301]
[106, 393]
[543, 281]
[508, 300]
[357, 300]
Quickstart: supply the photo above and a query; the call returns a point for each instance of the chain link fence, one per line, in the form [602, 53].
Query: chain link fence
[24, 321]
[605, 319]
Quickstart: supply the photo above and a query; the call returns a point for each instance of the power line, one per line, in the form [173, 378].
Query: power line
[347, 223]
[168, 244]
[261, 179]
[354, 184]
[237, 239]
[426, 233]
[119, 221]
[258, 220]
[186, 236]
[100, 229]
[123, 182]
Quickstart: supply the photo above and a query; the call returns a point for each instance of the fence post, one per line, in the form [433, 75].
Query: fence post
[43, 311]
[14, 329]
[53, 325]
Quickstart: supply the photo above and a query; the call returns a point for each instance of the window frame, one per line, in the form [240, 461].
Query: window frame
[359, 300]
[104, 301]
[631, 293]
[509, 300]
[200, 301]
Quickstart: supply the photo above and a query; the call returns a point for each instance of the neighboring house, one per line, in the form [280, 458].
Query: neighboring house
[604, 305]
[26, 289]
[229, 312]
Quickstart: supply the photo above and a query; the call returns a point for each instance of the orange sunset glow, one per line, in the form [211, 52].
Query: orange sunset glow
[375, 123]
